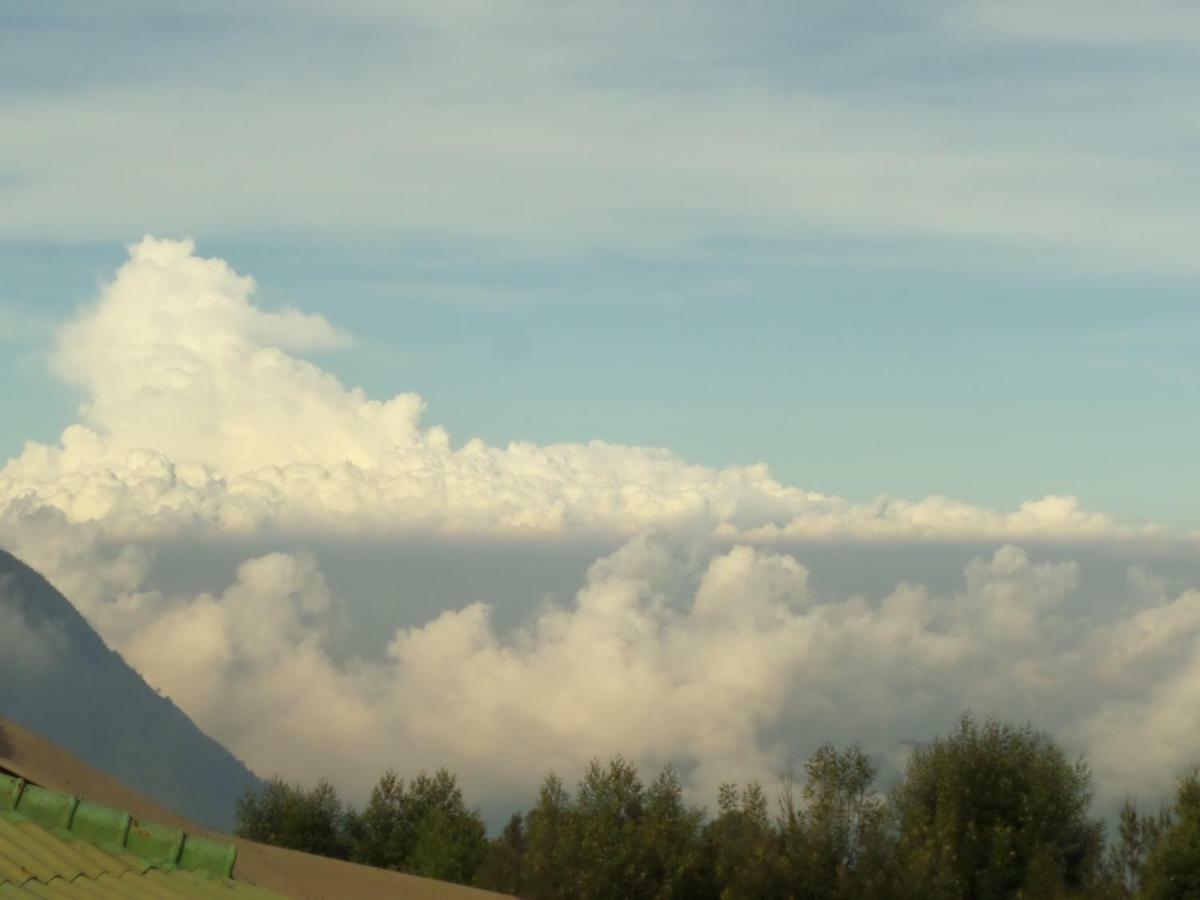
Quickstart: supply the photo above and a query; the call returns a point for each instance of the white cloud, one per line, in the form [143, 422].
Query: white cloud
[251, 665]
[940, 517]
[197, 417]
[104, 581]
[702, 645]
[723, 660]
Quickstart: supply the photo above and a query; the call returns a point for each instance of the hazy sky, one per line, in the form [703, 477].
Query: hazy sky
[488, 371]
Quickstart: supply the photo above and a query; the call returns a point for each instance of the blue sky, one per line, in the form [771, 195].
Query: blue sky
[544, 259]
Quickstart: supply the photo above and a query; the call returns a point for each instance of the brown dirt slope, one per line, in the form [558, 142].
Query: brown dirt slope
[301, 875]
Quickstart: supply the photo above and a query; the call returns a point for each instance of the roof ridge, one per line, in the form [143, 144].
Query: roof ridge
[157, 844]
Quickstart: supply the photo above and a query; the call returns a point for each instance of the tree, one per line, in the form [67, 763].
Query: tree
[608, 809]
[382, 838]
[616, 839]
[1137, 837]
[742, 847]
[287, 815]
[549, 870]
[449, 846]
[423, 828]
[994, 811]
[670, 839]
[1172, 869]
[504, 862]
[837, 843]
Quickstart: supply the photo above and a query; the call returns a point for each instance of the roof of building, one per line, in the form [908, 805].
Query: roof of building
[28, 755]
[55, 843]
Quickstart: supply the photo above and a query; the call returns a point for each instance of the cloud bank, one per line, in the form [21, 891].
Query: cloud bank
[723, 661]
[198, 417]
[697, 642]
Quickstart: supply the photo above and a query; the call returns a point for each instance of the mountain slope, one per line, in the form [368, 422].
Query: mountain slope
[59, 678]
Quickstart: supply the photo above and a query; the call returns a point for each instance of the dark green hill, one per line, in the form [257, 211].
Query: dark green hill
[57, 677]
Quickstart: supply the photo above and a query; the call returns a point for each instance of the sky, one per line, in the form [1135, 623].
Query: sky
[675, 364]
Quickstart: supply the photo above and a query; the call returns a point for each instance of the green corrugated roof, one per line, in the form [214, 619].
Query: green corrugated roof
[55, 845]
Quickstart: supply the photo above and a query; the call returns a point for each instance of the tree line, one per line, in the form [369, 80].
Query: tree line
[991, 810]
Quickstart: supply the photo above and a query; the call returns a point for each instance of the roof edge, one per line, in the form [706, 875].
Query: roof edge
[155, 843]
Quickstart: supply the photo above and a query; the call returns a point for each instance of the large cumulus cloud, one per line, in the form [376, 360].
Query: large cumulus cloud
[697, 642]
[723, 660]
[197, 415]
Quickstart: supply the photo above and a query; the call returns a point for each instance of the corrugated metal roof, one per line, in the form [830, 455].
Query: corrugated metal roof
[287, 872]
[54, 845]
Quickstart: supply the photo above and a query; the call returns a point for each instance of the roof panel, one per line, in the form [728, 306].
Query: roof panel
[16, 848]
[136, 887]
[105, 855]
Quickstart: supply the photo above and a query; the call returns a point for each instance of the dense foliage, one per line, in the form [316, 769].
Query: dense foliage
[290, 816]
[991, 810]
[995, 811]
[1172, 871]
[423, 828]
